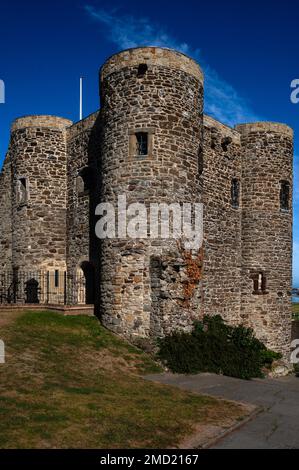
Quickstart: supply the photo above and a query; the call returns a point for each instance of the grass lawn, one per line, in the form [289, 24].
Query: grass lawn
[67, 382]
[296, 310]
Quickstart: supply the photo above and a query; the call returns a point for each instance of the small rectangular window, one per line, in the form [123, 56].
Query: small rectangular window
[142, 69]
[56, 278]
[285, 195]
[141, 143]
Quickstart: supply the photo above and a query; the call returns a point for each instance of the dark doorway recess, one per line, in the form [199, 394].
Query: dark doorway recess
[89, 274]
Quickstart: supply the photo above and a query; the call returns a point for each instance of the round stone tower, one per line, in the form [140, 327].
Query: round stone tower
[267, 232]
[152, 100]
[38, 160]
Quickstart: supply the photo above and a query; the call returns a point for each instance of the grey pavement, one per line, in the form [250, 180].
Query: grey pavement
[276, 427]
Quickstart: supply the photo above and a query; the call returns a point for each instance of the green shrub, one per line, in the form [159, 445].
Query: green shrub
[214, 346]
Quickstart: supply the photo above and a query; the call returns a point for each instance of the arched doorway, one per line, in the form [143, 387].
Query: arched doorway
[32, 291]
[86, 283]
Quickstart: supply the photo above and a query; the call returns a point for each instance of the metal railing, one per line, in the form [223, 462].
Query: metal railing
[43, 287]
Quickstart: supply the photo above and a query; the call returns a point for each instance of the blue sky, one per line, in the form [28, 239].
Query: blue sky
[249, 52]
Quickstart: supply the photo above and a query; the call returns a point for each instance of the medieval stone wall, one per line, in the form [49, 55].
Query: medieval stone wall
[222, 221]
[81, 195]
[267, 232]
[38, 165]
[158, 92]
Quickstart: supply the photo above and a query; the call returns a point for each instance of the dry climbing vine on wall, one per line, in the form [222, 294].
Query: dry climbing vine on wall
[194, 264]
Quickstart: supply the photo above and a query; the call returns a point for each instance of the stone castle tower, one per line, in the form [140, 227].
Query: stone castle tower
[151, 143]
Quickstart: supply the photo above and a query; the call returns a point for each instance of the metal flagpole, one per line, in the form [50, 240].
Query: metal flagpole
[81, 98]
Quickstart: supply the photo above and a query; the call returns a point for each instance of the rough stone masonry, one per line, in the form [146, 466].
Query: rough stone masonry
[151, 141]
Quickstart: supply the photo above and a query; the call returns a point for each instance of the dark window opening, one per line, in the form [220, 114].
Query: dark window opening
[225, 143]
[56, 278]
[85, 180]
[235, 193]
[260, 284]
[141, 143]
[285, 195]
[22, 191]
[213, 142]
[142, 69]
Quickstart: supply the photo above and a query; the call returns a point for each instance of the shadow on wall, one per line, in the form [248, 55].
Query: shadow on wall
[91, 269]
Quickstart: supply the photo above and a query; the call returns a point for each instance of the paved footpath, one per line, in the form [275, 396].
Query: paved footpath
[277, 427]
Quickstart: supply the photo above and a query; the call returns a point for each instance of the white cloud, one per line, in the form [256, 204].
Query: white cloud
[296, 179]
[296, 263]
[222, 101]
[126, 31]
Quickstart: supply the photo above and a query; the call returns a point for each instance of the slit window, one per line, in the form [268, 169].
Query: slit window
[141, 143]
[285, 195]
[22, 191]
[235, 193]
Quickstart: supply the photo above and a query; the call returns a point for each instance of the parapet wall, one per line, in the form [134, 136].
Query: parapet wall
[222, 163]
[152, 55]
[85, 124]
[283, 129]
[223, 129]
[50, 122]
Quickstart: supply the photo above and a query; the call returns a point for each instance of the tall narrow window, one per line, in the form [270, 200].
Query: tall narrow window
[235, 193]
[22, 191]
[284, 195]
[260, 283]
[141, 143]
[56, 278]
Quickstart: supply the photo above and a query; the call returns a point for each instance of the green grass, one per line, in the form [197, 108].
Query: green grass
[68, 382]
[296, 311]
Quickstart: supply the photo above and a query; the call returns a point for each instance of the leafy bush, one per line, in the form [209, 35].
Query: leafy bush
[214, 346]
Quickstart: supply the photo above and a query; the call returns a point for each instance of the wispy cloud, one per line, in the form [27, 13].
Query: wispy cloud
[296, 180]
[222, 101]
[295, 263]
